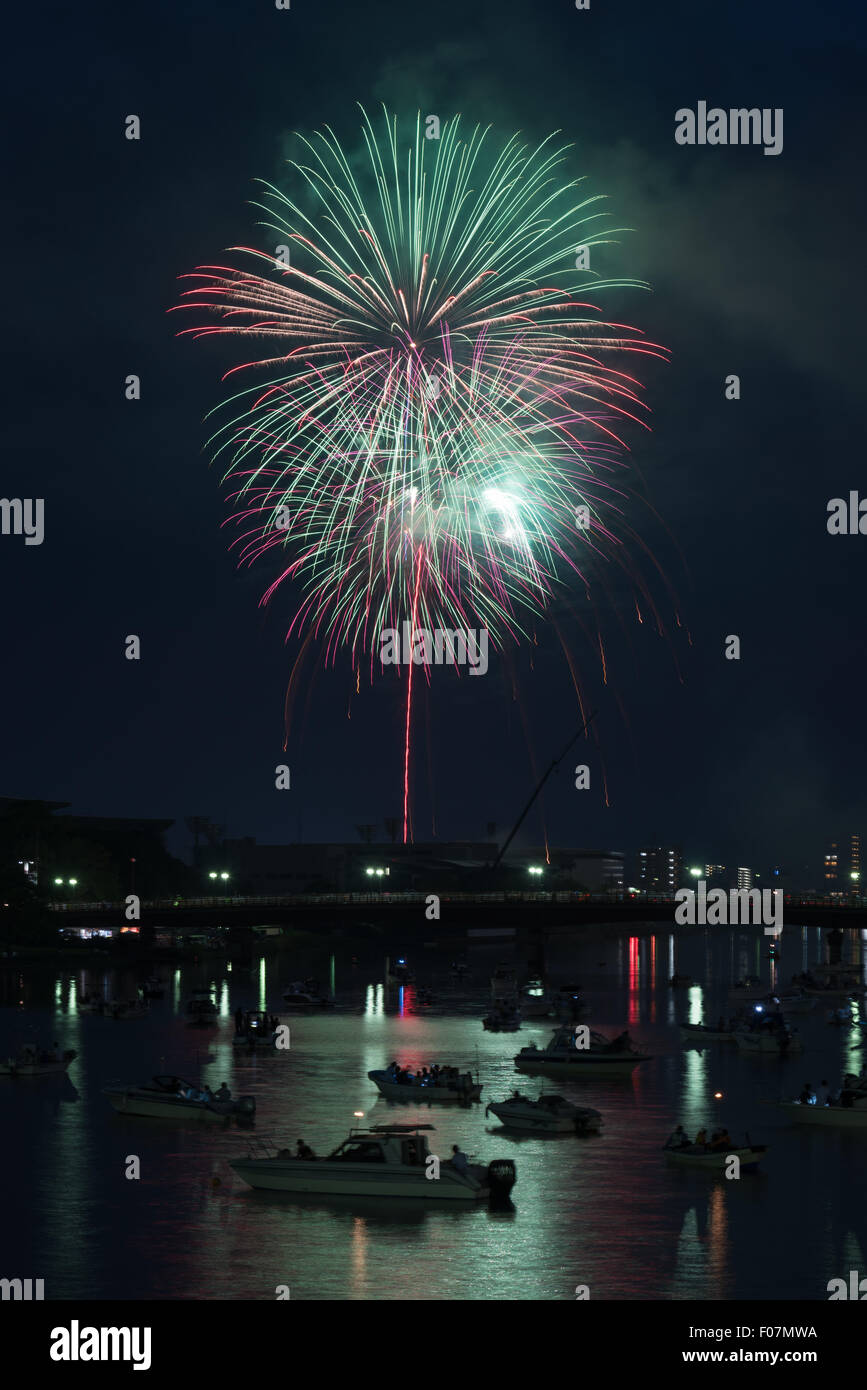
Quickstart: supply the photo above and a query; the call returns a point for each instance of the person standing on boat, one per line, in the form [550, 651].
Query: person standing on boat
[459, 1159]
[239, 1020]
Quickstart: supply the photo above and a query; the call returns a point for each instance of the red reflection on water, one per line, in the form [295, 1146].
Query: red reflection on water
[634, 975]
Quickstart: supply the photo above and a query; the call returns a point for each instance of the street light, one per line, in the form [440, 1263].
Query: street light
[532, 869]
[224, 876]
[696, 873]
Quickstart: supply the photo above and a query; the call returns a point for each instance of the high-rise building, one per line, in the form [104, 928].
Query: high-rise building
[855, 863]
[745, 878]
[714, 873]
[659, 869]
[831, 870]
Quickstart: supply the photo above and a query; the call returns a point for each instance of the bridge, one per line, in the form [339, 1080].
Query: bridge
[543, 911]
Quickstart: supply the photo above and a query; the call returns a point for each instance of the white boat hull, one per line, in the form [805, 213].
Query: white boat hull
[695, 1033]
[577, 1066]
[168, 1107]
[714, 1162]
[831, 1116]
[533, 1122]
[358, 1179]
[749, 1042]
[392, 1090]
[9, 1067]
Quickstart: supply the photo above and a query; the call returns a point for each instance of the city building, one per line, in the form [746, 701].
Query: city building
[745, 878]
[659, 870]
[831, 870]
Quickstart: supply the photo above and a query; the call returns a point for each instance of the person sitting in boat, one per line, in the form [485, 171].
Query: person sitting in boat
[459, 1159]
[701, 1139]
[223, 1093]
[677, 1140]
[721, 1141]
[807, 1096]
[303, 1150]
[825, 1094]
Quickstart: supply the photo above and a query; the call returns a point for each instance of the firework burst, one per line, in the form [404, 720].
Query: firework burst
[442, 403]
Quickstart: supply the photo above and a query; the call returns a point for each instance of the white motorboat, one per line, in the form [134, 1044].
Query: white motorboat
[31, 1060]
[126, 1008]
[534, 1000]
[698, 1156]
[201, 1009]
[782, 1041]
[253, 1029]
[564, 1056]
[447, 1085]
[748, 987]
[705, 1033]
[791, 1002]
[846, 1110]
[170, 1097]
[831, 1116]
[502, 1019]
[302, 995]
[387, 1161]
[91, 1004]
[547, 1115]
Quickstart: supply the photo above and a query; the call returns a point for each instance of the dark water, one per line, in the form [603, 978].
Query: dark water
[604, 1211]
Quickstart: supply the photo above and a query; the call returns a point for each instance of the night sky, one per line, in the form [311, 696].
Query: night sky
[756, 269]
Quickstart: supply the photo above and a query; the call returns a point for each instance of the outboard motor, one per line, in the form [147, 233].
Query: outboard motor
[501, 1179]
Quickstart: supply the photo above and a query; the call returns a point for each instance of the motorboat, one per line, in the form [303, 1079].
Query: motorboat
[569, 1002]
[386, 1161]
[302, 994]
[254, 1028]
[843, 1014]
[125, 1008]
[534, 1000]
[504, 985]
[827, 981]
[447, 1085]
[502, 1019]
[831, 1116]
[748, 987]
[398, 973]
[769, 1036]
[170, 1097]
[31, 1060]
[699, 1156]
[848, 1109]
[91, 1004]
[547, 1115]
[566, 1055]
[705, 1033]
[201, 1009]
[793, 1001]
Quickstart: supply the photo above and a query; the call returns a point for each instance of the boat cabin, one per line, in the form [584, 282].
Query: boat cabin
[396, 1144]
